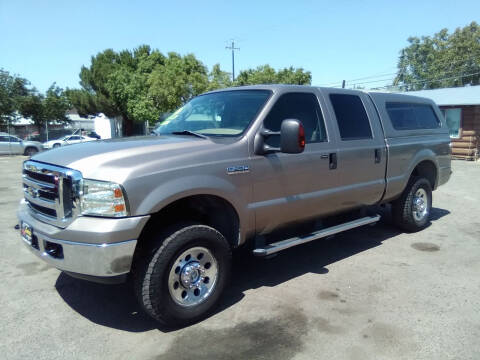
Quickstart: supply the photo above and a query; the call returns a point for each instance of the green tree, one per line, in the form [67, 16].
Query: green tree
[177, 81]
[265, 74]
[45, 108]
[140, 85]
[442, 60]
[137, 85]
[116, 84]
[87, 103]
[12, 89]
[218, 79]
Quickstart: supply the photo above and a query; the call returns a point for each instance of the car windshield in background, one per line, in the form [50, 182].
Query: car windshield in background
[225, 113]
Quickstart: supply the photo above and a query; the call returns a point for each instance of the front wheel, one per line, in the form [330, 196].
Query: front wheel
[411, 211]
[180, 280]
[30, 151]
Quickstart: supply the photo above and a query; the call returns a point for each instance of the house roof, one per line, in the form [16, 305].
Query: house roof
[468, 95]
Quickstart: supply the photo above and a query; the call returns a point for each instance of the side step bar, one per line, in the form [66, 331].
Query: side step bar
[288, 243]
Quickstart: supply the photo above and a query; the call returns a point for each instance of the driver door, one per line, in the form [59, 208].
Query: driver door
[295, 187]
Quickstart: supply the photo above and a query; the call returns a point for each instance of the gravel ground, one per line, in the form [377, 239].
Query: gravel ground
[371, 293]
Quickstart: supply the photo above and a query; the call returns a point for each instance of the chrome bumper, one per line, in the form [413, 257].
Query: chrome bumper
[88, 259]
[94, 258]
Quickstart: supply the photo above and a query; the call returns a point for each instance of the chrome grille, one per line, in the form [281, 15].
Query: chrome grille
[52, 192]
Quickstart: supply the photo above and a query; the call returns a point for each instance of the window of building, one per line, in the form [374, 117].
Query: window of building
[351, 117]
[412, 116]
[453, 118]
[300, 106]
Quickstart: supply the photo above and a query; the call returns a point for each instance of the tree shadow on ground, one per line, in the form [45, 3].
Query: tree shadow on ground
[115, 306]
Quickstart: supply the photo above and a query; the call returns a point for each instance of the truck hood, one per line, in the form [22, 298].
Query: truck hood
[117, 159]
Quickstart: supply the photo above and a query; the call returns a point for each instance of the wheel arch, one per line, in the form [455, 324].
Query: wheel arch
[428, 169]
[30, 147]
[207, 209]
[423, 163]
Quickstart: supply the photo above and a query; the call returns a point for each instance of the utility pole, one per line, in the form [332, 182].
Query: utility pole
[233, 48]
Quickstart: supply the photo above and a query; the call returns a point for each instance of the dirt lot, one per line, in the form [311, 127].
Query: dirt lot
[371, 293]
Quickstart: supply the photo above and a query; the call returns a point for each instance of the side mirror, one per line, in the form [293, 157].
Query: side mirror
[292, 138]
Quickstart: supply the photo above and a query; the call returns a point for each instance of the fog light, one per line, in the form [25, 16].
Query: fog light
[54, 250]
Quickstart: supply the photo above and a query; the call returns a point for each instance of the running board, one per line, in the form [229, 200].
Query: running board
[288, 243]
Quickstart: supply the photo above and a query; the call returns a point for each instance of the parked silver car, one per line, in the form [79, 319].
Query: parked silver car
[13, 145]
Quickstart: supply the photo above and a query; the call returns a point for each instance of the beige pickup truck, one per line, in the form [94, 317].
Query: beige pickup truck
[229, 168]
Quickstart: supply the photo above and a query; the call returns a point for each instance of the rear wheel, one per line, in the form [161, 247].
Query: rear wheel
[30, 151]
[411, 211]
[56, 145]
[180, 279]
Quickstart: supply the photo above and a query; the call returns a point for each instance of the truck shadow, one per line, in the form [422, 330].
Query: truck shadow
[115, 305]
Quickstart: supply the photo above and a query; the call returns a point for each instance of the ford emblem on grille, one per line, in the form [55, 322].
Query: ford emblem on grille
[32, 192]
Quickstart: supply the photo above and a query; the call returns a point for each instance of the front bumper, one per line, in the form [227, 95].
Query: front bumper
[97, 247]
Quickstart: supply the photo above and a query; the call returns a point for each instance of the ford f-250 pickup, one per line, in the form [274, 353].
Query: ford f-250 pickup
[230, 167]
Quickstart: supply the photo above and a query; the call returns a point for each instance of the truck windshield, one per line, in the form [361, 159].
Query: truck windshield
[225, 113]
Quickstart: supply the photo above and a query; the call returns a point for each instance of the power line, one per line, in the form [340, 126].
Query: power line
[233, 48]
[362, 78]
[445, 61]
[390, 79]
[432, 80]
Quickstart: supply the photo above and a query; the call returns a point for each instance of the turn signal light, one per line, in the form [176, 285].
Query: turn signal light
[301, 136]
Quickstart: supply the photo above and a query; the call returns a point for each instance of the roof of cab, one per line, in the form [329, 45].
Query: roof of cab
[410, 96]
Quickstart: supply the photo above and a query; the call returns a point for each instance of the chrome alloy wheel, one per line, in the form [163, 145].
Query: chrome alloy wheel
[420, 205]
[193, 276]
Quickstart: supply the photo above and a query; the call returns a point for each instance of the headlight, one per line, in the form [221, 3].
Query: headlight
[103, 198]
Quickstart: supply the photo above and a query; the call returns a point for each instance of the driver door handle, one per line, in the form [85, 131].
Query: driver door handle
[333, 161]
[378, 156]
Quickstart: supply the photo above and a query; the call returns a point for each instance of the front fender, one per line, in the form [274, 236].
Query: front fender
[172, 190]
[176, 189]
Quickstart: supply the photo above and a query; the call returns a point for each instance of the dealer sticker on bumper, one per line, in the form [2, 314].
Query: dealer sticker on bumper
[26, 232]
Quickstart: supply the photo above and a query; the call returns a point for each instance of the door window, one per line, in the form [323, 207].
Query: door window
[300, 106]
[351, 117]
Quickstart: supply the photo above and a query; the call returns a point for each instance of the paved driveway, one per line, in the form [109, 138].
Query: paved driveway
[371, 293]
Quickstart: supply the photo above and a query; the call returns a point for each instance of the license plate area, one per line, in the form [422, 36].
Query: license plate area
[26, 232]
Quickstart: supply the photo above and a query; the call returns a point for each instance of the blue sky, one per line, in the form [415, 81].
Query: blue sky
[47, 41]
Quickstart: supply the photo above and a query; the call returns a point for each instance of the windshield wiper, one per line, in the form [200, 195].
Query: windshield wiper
[188, 132]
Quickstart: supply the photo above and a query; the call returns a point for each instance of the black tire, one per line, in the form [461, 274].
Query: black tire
[30, 151]
[404, 212]
[57, 145]
[152, 270]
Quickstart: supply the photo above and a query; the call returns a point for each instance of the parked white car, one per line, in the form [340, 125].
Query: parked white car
[66, 140]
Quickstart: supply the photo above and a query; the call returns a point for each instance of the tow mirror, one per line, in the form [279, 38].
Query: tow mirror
[292, 138]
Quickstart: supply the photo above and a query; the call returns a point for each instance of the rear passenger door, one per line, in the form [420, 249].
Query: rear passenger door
[361, 158]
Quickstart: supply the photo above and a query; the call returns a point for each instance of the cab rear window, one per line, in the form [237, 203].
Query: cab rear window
[412, 116]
